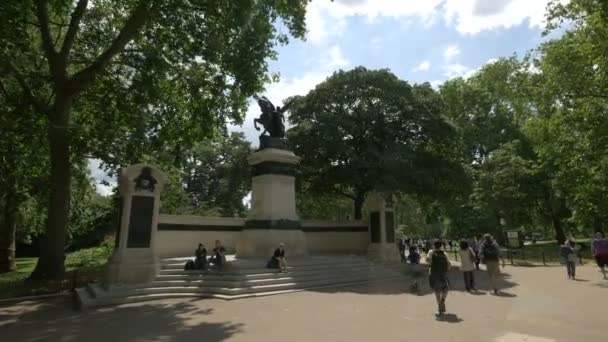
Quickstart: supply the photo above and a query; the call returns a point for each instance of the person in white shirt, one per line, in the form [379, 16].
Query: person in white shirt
[467, 265]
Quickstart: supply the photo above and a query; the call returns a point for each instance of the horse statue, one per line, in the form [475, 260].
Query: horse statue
[272, 118]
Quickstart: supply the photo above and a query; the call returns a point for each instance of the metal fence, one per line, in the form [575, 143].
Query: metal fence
[533, 255]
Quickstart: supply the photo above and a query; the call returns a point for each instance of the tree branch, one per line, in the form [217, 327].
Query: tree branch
[70, 36]
[47, 40]
[136, 21]
[26, 88]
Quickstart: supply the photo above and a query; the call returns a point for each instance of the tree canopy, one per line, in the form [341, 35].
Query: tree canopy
[363, 130]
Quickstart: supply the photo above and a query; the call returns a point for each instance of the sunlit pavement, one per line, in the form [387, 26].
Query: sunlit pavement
[539, 304]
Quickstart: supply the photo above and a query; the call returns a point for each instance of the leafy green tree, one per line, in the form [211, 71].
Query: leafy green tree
[22, 165]
[217, 175]
[363, 129]
[113, 78]
[324, 206]
[572, 127]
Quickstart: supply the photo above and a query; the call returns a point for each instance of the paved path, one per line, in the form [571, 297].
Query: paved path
[541, 306]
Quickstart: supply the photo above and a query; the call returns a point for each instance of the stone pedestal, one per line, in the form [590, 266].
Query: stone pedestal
[382, 226]
[134, 259]
[273, 217]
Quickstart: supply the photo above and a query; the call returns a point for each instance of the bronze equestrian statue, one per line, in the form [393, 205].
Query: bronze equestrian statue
[272, 118]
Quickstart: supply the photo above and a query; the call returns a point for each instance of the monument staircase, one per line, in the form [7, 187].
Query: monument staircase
[243, 278]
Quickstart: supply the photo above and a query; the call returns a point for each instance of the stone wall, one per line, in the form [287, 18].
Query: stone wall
[330, 237]
[179, 235]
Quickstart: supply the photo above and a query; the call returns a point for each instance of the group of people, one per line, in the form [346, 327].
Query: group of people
[218, 258]
[201, 262]
[488, 252]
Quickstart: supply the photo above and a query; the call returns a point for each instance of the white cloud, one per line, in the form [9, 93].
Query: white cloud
[436, 83]
[459, 70]
[320, 27]
[455, 70]
[474, 16]
[105, 190]
[101, 177]
[451, 52]
[335, 58]
[326, 18]
[423, 66]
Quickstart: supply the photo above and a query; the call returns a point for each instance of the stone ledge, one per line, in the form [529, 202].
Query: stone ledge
[273, 224]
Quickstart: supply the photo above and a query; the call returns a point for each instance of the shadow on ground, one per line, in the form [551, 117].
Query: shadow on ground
[29, 321]
[416, 283]
[448, 318]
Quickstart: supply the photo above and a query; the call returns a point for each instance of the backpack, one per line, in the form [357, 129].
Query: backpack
[439, 262]
[189, 265]
[490, 252]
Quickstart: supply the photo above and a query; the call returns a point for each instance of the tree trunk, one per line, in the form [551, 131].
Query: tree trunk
[7, 229]
[559, 230]
[51, 262]
[358, 203]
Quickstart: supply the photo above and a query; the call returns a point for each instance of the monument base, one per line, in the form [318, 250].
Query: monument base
[261, 243]
[383, 252]
[132, 267]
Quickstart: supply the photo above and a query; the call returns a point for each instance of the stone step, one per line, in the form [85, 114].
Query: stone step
[243, 282]
[118, 291]
[267, 273]
[271, 274]
[257, 262]
[262, 270]
[86, 301]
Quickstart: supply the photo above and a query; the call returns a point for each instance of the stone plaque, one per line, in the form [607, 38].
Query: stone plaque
[374, 220]
[390, 226]
[140, 222]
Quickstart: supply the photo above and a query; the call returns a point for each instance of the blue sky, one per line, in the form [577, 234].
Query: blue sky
[418, 40]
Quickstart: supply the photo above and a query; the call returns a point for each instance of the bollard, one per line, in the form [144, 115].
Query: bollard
[456, 255]
[511, 257]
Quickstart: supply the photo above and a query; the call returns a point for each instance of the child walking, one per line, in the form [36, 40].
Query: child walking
[568, 252]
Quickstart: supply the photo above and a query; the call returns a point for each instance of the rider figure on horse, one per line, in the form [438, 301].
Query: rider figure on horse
[272, 118]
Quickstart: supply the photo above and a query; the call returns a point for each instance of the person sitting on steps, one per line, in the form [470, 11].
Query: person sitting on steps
[277, 260]
[200, 261]
[218, 258]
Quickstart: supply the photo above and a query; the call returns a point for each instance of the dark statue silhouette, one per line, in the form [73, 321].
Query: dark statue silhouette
[272, 118]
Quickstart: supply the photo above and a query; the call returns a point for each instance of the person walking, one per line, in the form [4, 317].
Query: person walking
[467, 265]
[490, 256]
[438, 275]
[401, 246]
[568, 252]
[599, 249]
[474, 244]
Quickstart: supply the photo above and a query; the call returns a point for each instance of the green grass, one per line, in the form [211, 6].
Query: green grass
[82, 267]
